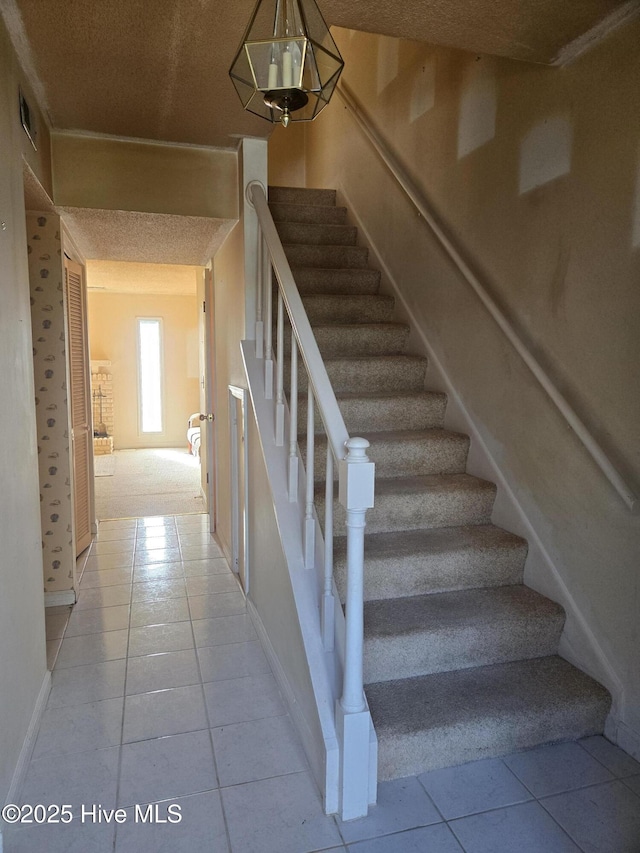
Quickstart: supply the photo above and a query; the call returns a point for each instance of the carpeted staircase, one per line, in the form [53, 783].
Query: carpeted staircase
[460, 657]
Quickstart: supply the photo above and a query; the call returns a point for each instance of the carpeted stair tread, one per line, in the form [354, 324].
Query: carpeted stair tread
[376, 373]
[302, 195]
[417, 562]
[348, 309]
[314, 234]
[312, 213]
[327, 257]
[400, 453]
[423, 634]
[421, 502]
[449, 718]
[318, 280]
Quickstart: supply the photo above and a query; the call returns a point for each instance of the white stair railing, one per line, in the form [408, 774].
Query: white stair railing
[355, 492]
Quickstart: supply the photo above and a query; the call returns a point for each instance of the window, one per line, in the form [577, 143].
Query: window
[150, 374]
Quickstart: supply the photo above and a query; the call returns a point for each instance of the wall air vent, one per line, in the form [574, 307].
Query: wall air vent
[28, 121]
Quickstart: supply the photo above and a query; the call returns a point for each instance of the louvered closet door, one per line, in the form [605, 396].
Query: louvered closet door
[80, 406]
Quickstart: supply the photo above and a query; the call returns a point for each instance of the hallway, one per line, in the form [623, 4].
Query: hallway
[162, 693]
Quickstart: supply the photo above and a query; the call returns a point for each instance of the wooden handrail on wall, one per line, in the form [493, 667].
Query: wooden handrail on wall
[424, 209]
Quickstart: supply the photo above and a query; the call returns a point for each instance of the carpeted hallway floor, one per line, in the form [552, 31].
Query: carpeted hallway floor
[136, 483]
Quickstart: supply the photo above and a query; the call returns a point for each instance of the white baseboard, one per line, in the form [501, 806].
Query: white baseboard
[58, 599]
[624, 736]
[582, 648]
[29, 741]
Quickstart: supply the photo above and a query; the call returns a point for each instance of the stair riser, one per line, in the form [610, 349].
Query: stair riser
[421, 575]
[423, 511]
[403, 459]
[309, 213]
[335, 341]
[378, 414]
[344, 281]
[419, 752]
[344, 311]
[426, 652]
[302, 195]
[327, 257]
[348, 309]
[316, 234]
[373, 375]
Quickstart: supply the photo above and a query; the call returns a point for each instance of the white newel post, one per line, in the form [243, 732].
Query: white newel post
[253, 169]
[356, 493]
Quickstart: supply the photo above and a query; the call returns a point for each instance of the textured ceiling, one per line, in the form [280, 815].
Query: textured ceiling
[156, 279]
[158, 69]
[160, 238]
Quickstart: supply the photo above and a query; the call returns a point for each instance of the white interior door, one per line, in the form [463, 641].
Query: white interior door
[208, 383]
[239, 485]
[207, 396]
[81, 437]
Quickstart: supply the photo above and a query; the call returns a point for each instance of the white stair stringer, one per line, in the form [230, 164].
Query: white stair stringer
[317, 730]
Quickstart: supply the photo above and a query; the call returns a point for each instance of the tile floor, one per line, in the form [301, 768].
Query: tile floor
[161, 694]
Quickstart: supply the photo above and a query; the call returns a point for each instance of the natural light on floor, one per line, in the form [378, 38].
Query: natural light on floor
[178, 456]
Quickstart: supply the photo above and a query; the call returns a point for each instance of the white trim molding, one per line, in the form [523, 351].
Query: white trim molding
[60, 599]
[29, 740]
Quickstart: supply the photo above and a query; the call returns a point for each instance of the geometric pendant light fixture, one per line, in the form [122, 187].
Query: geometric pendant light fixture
[288, 64]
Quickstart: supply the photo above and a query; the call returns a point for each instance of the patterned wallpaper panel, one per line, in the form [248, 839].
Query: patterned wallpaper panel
[52, 413]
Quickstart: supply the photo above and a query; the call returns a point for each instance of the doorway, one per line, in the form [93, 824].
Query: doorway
[239, 485]
[150, 382]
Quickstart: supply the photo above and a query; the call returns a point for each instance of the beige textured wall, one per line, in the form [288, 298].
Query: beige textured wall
[113, 336]
[116, 174]
[22, 640]
[52, 409]
[229, 330]
[536, 172]
[287, 163]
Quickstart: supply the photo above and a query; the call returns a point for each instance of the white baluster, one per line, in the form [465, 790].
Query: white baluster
[328, 603]
[293, 423]
[309, 521]
[280, 374]
[260, 297]
[268, 341]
